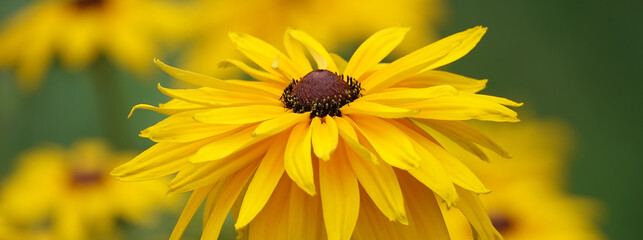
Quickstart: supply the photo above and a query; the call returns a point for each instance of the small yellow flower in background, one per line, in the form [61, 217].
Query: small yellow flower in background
[336, 23]
[68, 194]
[528, 200]
[336, 152]
[78, 31]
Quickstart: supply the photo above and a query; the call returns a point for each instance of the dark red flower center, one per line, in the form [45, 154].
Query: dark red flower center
[320, 92]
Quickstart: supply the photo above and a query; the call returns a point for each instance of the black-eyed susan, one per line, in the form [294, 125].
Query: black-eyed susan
[528, 189]
[56, 193]
[78, 30]
[336, 151]
[352, 20]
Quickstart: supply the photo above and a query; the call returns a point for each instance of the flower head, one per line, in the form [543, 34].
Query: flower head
[528, 189]
[335, 151]
[68, 194]
[78, 31]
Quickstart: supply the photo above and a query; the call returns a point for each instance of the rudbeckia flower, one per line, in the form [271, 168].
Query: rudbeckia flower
[528, 189]
[326, 20]
[56, 193]
[336, 151]
[78, 31]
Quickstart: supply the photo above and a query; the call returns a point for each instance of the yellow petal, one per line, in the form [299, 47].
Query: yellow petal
[263, 183]
[461, 133]
[296, 52]
[174, 106]
[380, 183]
[436, 78]
[371, 224]
[468, 39]
[304, 215]
[255, 73]
[430, 173]
[339, 196]
[373, 50]
[324, 136]
[220, 211]
[190, 209]
[395, 96]
[500, 100]
[181, 127]
[264, 54]
[363, 107]
[434, 55]
[198, 175]
[276, 125]
[464, 107]
[339, 61]
[207, 81]
[390, 143]
[240, 115]
[472, 208]
[426, 217]
[351, 139]
[297, 159]
[459, 173]
[160, 160]
[272, 222]
[226, 145]
[319, 53]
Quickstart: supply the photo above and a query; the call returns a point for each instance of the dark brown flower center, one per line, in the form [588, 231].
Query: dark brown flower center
[84, 178]
[321, 93]
[86, 4]
[502, 222]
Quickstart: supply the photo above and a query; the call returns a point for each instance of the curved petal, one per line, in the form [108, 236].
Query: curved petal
[182, 127]
[193, 204]
[226, 145]
[373, 50]
[380, 183]
[395, 96]
[391, 143]
[278, 124]
[472, 208]
[434, 55]
[264, 55]
[324, 137]
[240, 115]
[265, 180]
[319, 53]
[339, 196]
[207, 81]
[463, 107]
[350, 138]
[296, 52]
[436, 78]
[297, 159]
[255, 73]
[365, 107]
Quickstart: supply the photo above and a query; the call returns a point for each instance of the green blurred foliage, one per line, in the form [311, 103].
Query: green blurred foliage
[576, 60]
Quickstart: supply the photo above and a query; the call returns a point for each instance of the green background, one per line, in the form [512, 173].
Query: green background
[575, 60]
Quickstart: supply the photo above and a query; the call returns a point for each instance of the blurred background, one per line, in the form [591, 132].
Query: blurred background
[573, 62]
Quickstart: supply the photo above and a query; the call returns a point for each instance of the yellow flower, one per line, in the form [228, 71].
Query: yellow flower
[334, 22]
[69, 194]
[357, 159]
[528, 201]
[78, 30]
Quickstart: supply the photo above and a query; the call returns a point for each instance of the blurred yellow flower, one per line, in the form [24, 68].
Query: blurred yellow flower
[354, 132]
[67, 194]
[336, 23]
[528, 201]
[77, 31]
